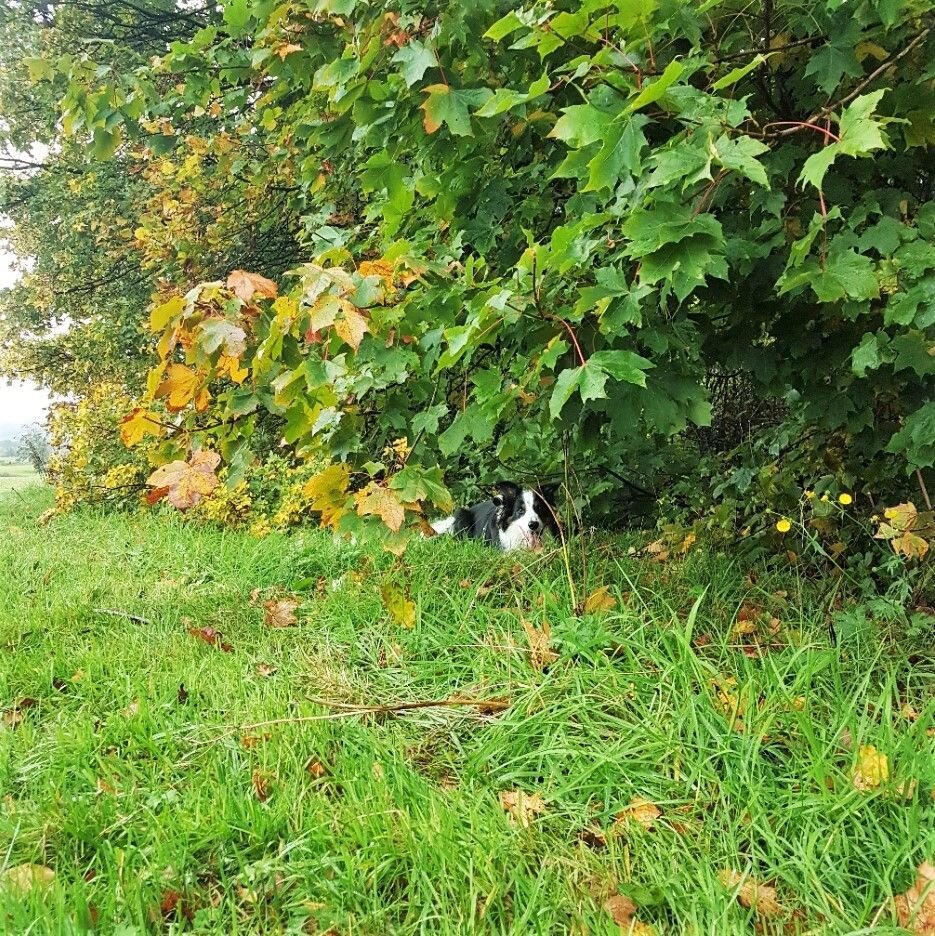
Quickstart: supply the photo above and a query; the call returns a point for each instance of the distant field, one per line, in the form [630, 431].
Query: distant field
[16, 476]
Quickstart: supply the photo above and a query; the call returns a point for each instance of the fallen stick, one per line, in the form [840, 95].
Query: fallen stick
[123, 614]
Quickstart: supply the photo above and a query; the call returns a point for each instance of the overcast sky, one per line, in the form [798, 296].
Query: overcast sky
[20, 404]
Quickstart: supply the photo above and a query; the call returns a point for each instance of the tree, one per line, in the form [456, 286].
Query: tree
[33, 447]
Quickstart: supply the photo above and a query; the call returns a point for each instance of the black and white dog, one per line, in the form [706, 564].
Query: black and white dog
[514, 518]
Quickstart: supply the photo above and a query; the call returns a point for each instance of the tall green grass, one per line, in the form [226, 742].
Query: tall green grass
[136, 777]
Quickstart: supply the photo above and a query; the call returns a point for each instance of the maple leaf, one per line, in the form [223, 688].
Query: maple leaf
[872, 769]
[521, 807]
[211, 636]
[246, 285]
[750, 894]
[185, 484]
[639, 810]
[24, 878]
[401, 609]
[180, 385]
[541, 653]
[287, 48]
[916, 908]
[327, 492]
[138, 423]
[351, 326]
[600, 600]
[230, 367]
[375, 500]
[382, 268]
[280, 612]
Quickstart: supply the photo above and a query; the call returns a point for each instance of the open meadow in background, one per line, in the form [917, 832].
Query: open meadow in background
[206, 731]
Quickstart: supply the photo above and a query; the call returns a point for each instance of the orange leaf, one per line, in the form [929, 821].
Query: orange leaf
[287, 49]
[245, 285]
[211, 636]
[381, 502]
[541, 653]
[639, 810]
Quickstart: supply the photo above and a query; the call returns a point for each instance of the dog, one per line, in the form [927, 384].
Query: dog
[514, 518]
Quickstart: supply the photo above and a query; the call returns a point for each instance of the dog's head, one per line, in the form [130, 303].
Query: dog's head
[523, 514]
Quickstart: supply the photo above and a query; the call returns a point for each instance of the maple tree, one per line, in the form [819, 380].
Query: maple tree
[503, 232]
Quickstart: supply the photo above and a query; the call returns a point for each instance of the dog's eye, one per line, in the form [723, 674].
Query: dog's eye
[498, 501]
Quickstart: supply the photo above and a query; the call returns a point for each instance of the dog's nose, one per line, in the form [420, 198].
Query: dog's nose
[534, 524]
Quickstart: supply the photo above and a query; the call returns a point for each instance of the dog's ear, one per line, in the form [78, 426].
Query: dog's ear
[549, 492]
[506, 495]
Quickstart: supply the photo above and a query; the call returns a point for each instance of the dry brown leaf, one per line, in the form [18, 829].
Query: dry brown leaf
[12, 716]
[541, 653]
[621, 909]
[521, 807]
[265, 670]
[24, 878]
[916, 908]
[758, 897]
[600, 600]
[251, 741]
[872, 769]
[640, 810]
[245, 285]
[315, 769]
[280, 612]
[261, 780]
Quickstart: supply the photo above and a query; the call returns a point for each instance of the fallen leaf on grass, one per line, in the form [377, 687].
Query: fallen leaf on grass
[639, 810]
[251, 741]
[25, 878]
[622, 910]
[540, 641]
[600, 600]
[265, 670]
[916, 908]
[400, 608]
[751, 894]
[315, 769]
[261, 780]
[872, 769]
[132, 709]
[280, 612]
[14, 715]
[211, 636]
[521, 807]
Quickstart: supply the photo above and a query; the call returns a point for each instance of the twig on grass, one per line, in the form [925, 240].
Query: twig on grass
[124, 614]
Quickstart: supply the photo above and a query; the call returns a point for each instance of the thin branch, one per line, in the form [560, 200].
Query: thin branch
[123, 614]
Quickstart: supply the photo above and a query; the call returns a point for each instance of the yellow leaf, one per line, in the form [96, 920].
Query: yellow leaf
[328, 493]
[378, 501]
[872, 769]
[161, 315]
[137, 424]
[639, 810]
[541, 653]
[280, 612]
[902, 517]
[522, 807]
[179, 386]
[600, 600]
[401, 609]
[287, 49]
[750, 894]
[245, 285]
[910, 545]
[203, 400]
[24, 878]
[230, 367]
[382, 268]
[351, 326]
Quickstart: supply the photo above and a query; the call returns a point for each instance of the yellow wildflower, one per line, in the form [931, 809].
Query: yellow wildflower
[845, 499]
[784, 525]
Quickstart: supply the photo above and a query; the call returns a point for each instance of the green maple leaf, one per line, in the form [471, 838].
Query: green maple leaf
[449, 106]
[414, 59]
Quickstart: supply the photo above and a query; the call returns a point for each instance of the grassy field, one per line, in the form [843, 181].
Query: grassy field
[264, 783]
[16, 476]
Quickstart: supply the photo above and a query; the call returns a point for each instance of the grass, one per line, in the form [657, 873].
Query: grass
[15, 476]
[137, 778]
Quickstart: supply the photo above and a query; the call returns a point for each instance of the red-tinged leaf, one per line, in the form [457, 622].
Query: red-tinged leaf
[247, 285]
[187, 483]
[212, 637]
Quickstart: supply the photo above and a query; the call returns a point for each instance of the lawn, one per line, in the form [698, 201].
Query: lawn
[261, 781]
[16, 476]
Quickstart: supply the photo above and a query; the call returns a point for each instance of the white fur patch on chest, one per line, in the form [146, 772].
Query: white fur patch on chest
[443, 526]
